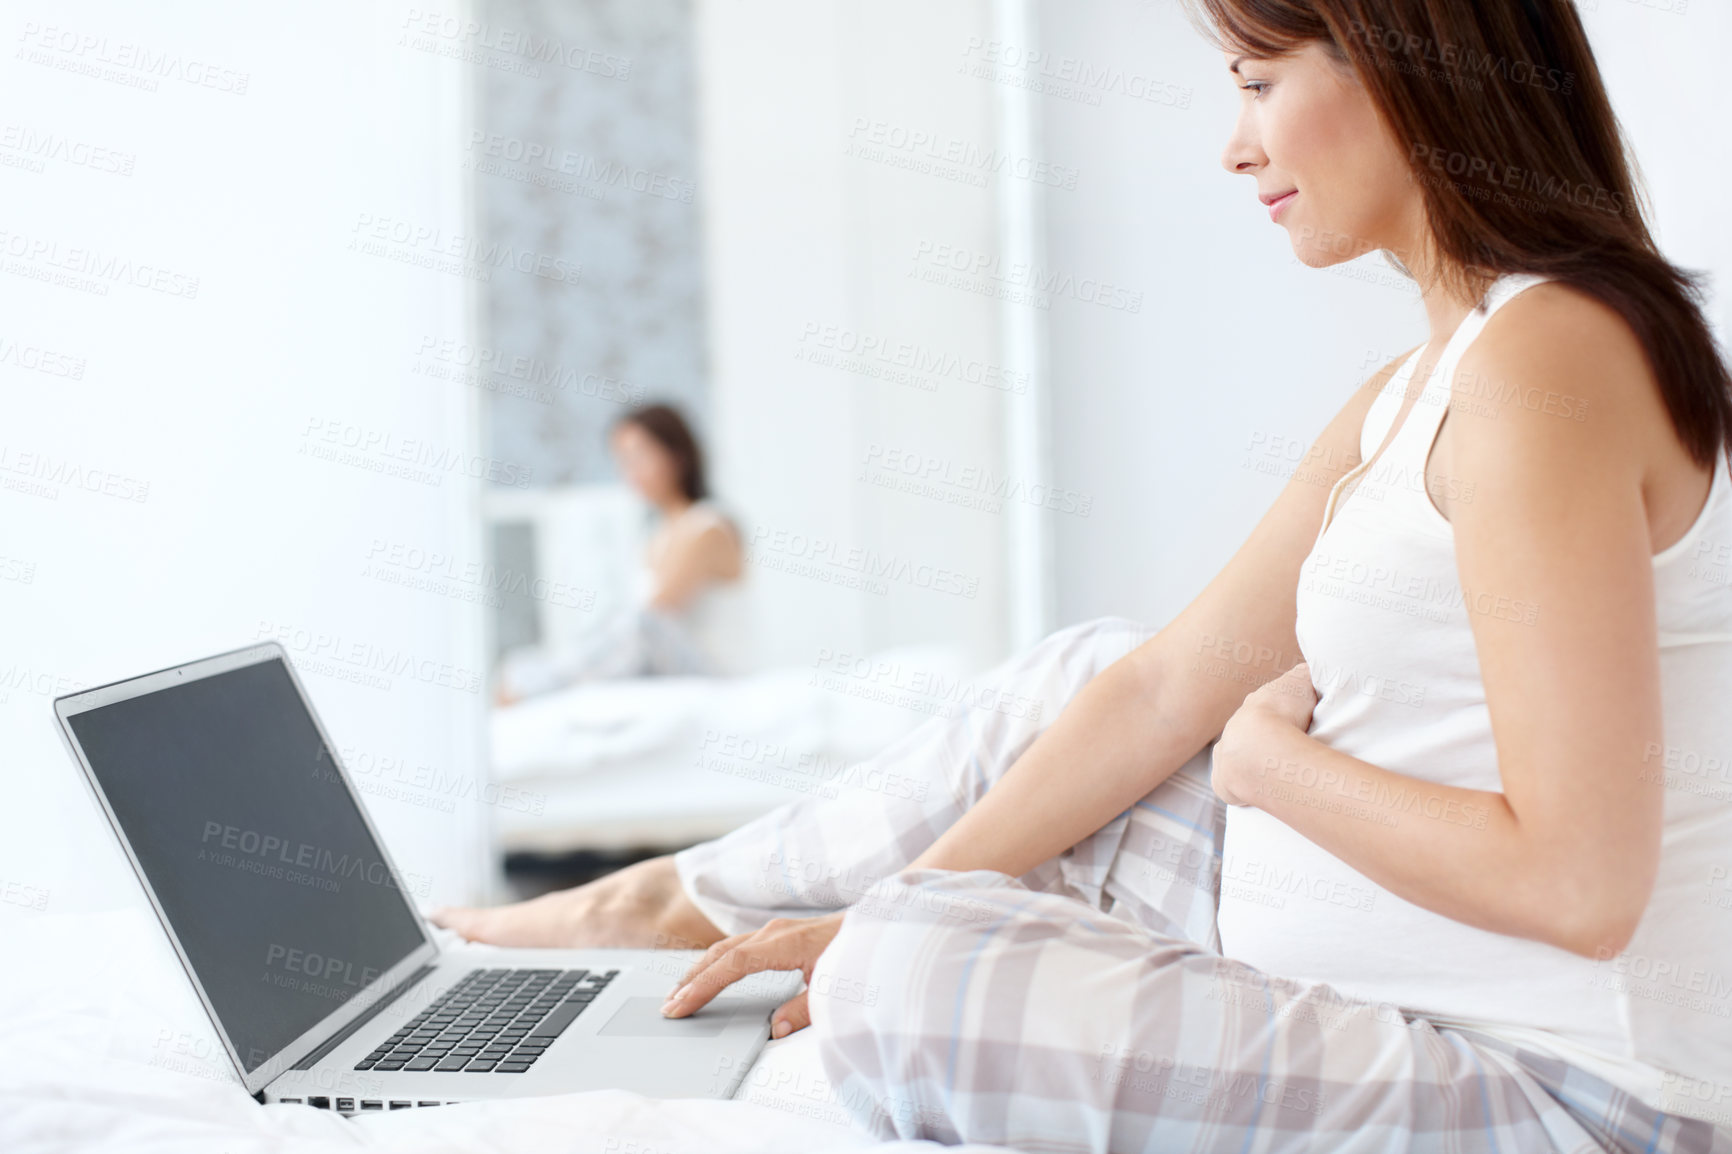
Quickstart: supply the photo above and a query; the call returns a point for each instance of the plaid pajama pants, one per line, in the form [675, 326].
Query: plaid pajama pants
[1086, 1005]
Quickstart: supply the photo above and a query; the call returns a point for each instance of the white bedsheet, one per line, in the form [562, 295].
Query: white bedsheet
[674, 760]
[103, 1046]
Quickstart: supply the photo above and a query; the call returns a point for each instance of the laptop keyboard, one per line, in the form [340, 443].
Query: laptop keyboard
[490, 1022]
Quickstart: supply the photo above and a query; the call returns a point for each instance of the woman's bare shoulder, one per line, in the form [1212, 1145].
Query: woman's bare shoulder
[708, 536]
[708, 521]
[1559, 381]
[1558, 369]
[1556, 350]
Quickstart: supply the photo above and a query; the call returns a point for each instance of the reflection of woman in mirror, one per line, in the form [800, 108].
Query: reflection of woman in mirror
[685, 598]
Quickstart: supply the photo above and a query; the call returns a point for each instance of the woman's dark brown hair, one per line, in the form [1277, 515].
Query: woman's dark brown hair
[669, 430]
[1523, 166]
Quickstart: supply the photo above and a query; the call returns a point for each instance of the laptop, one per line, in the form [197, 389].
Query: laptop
[319, 974]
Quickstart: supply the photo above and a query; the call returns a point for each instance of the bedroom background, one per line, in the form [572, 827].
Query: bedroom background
[276, 292]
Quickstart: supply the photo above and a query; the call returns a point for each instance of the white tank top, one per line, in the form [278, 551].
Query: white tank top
[1382, 621]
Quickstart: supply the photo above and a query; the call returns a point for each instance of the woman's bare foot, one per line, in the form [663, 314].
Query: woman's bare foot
[642, 905]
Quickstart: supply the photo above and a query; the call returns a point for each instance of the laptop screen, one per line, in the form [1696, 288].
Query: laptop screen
[254, 847]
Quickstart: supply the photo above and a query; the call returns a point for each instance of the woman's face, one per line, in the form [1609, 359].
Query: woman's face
[646, 466]
[1309, 132]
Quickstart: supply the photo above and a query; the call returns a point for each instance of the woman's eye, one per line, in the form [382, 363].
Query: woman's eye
[1256, 86]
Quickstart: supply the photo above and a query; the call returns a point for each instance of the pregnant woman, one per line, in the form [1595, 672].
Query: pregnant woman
[1413, 831]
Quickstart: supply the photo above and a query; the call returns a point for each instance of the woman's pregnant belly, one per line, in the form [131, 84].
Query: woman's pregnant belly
[1292, 909]
[1399, 687]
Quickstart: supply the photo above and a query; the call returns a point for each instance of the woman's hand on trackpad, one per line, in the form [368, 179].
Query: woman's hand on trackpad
[781, 944]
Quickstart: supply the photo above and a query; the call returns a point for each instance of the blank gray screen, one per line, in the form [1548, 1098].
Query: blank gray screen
[255, 849]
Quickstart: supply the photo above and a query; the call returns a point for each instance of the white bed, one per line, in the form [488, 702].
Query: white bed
[667, 761]
[103, 1046]
[640, 763]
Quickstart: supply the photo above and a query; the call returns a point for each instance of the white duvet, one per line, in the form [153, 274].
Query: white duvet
[103, 1046]
[581, 729]
[674, 760]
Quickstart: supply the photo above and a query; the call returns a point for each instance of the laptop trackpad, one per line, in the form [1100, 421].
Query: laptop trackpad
[642, 1018]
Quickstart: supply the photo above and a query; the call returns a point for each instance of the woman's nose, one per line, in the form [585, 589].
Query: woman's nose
[1242, 153]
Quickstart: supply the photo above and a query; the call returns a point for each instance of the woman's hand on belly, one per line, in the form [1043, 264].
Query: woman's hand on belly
[1248, 740]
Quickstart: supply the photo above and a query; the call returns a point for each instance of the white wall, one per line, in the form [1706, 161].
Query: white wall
[1177, 418]
[805, 238]
[201, 411]
[1660, 59]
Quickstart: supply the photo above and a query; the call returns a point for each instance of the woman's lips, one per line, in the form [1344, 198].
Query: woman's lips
[1279, 203]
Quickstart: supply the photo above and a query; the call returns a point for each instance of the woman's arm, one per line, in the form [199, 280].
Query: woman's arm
[1121, 735]
[1148, 713]
[1568, 852]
